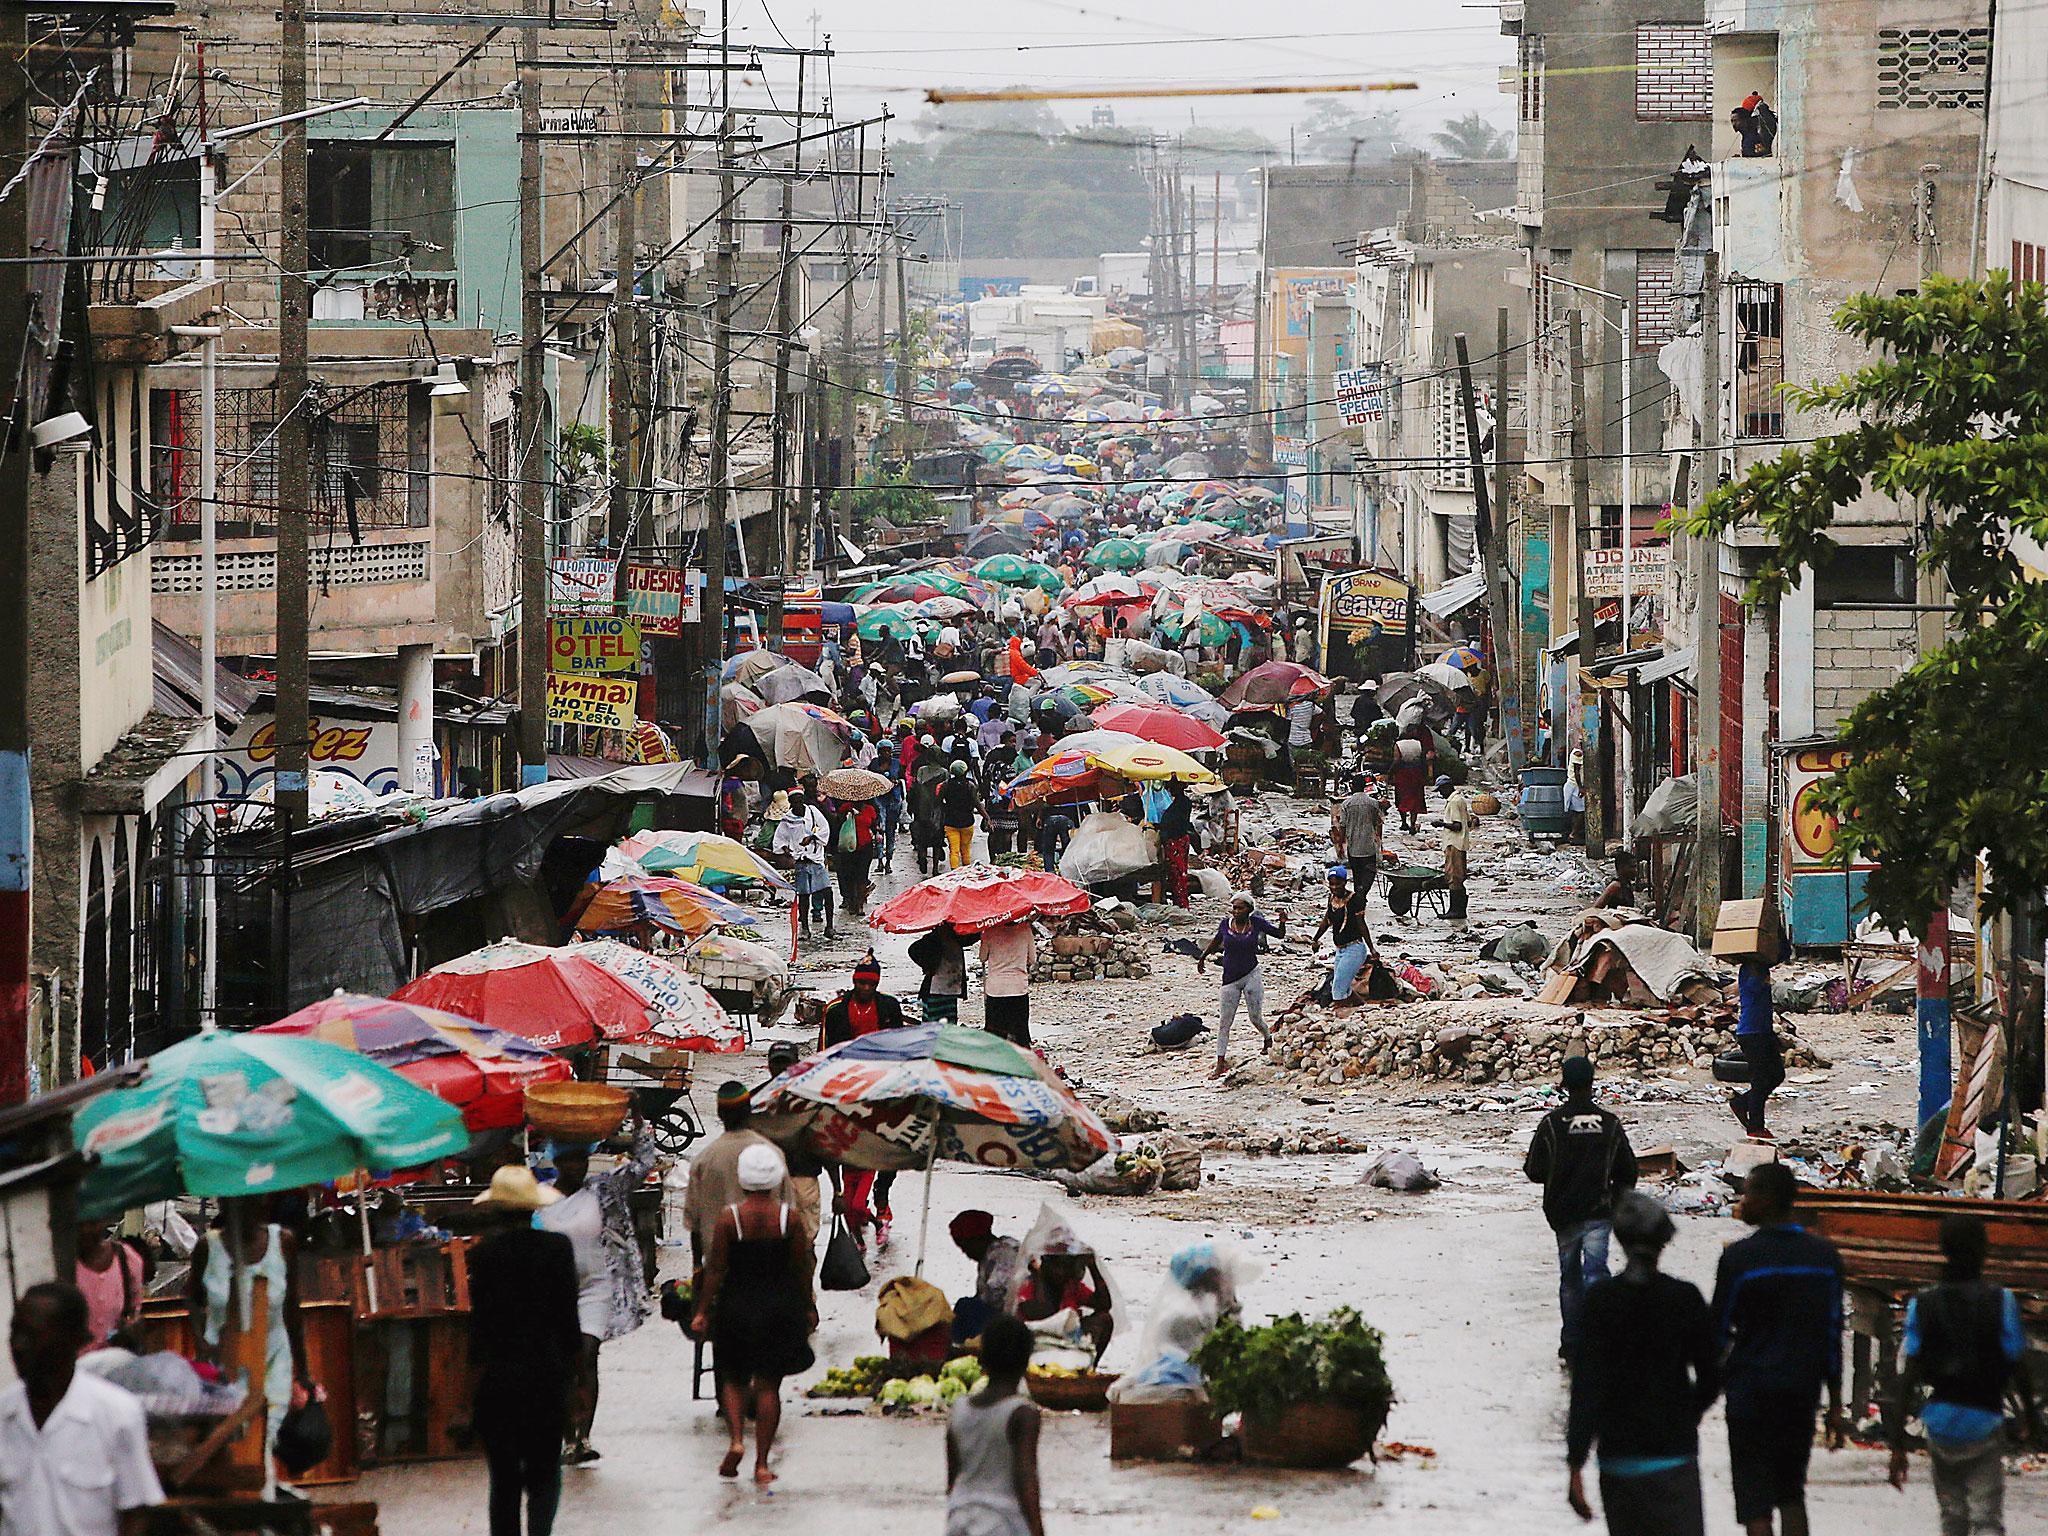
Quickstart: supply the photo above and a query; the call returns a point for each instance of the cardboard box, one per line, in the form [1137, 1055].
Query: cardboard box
[1746, 929]
[1162, 1431]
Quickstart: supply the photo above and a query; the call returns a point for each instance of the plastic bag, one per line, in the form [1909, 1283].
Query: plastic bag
[1673, 806]
[1106, 846]
[1200, 1289]
[843, 1269]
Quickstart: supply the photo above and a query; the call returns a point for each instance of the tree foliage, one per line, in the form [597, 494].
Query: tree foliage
[1472, 137]
[1335, 132]
[1952, 417]
[894, 498]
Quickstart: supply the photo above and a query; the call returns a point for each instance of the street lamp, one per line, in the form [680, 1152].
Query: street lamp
[1625, 747]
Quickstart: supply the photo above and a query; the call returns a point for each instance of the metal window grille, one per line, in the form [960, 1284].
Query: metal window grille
[1531, 79]
[1759, 335]
[2029, 263]
[1674, 73]
[503, 492]
[1654, 315]
[1932, 69]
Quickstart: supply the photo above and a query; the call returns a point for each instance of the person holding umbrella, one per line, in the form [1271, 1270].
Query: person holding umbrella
[958, 807]
[853, 851]
[266, 1252]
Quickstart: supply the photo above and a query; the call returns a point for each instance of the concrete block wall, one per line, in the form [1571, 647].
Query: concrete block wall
[1855, 653]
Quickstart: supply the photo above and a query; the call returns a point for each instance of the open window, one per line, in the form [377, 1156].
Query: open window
[381, 203]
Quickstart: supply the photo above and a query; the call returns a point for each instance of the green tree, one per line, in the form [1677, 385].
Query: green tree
[1952, 417]
[1472, 137]
[1335, 131]
[894, 498]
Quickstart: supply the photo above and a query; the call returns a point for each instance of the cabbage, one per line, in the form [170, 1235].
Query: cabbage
[965, 1369]
[951, 1387]
[923, 1390]
[894, 1394]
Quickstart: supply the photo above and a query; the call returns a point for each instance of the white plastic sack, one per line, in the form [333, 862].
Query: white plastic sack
[1200, 1289]
[1673, 806]
[1107, 846]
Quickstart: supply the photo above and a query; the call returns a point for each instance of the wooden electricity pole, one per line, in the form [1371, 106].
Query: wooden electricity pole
[778, 453]
[718, 508]
[1490, 537]
[624, 358]
[1515, 699]
[532, 458]
[1706, 581]
[1591, 779]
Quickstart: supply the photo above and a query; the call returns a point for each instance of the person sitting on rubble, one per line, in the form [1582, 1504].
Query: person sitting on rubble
[1621, 890]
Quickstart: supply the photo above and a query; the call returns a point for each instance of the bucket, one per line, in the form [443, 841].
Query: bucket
[1542, 802]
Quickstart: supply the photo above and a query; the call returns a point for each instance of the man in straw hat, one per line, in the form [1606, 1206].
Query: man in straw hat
[524, 1345]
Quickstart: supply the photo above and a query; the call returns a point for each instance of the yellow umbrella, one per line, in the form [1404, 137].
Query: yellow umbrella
[1147, 761]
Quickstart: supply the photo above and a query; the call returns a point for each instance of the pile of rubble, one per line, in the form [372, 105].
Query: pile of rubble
[1089, 956]
[1495, 1040]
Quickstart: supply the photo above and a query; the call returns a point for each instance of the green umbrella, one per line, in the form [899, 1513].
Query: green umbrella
[1010, 570]
[884, 621]
[249, 1114]
[1044, 577]
[1117, 555]
[1212, 630]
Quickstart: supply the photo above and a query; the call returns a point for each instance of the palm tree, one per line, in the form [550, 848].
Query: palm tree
[1472, 137]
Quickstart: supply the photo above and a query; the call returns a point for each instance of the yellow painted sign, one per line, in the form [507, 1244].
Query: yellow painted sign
[593, 645]
[607, 703]
[1371, 600]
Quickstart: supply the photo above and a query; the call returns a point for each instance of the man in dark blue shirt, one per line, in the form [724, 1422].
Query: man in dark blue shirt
[1778, 1315]
[1756, 1036]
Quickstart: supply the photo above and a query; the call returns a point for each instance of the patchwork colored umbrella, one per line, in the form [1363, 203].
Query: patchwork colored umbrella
[1270, 686]
[703, 858]
[636, 902]
[686, 1017]
[1464, 658]
[1065, 778]
[1160, 724]
[224, 1114]
[483, 1072]
[550, 996]
[899, 1098]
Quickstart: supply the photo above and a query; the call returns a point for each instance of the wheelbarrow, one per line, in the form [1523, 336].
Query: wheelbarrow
[1410, 886]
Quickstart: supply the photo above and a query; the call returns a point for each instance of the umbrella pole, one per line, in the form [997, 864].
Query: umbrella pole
[363, 1219]
[924, 1220]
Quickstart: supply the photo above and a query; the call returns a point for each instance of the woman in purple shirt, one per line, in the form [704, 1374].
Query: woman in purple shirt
[1238, 938]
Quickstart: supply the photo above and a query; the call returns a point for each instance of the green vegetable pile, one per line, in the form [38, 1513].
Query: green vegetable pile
[871, 1376]
[859, 1379]
[1261, 1370]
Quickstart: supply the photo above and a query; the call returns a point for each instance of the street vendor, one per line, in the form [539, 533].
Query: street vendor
[995, 1273]
[611, 1288]
[1064, 1295]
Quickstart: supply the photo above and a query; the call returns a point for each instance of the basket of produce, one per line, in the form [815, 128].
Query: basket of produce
[1313, 1393]
[576, 1111]
[1060, 1386]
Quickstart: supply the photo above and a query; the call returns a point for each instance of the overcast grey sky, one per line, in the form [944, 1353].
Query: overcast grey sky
[893, 50]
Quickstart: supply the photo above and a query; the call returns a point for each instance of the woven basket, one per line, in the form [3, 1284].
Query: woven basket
[1083, 1394]
[1485, 804]
[576, 1111]
[1312, 1434]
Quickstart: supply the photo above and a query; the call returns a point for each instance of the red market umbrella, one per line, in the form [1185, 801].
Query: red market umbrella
[552, 997]
[977, 897]
[483, 1072]
[686, 1017]
[1157, 723]
[1270, 686]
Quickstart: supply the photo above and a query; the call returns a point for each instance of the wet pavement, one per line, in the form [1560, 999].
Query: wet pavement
[1461, 1280]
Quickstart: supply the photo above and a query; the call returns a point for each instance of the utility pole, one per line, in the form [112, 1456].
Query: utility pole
[1509, 673]
[1262, 420]
[1590, 776]
[17, 831]
[718, 507]
[294, 486]
[903, 357]
[778, 452]
[1490, 538]
[625, 237]
[530, 421]
[1706, 578]
[849, 377]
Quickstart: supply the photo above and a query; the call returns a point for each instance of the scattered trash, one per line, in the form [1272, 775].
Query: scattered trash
[1399, 1169]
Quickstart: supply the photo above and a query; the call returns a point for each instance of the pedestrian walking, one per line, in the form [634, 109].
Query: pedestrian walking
[1647, 1369]
[74, 1450]
[1756, 1036]
[1581, 1156]
[714, 1168]
[863, 1010]
[802, 835]
[957, 814]
[1457, 822]
[1355, 832]
[992, 1443]
[1778, 1313]
[853, 852]
[596, 1215]
[998, 810]
[1176, 826]
[1238, 938]
[1055, 831]
[1006, 981]
[1344, 919]
[1964, 1344]
[756, 1306]
[269, 1253]
[525, 1344]
[108, 1273]
[1414, 766]
[941, 955]
[807, 1170]
[927, 829]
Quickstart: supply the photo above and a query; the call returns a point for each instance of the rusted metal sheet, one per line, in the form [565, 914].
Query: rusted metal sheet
[1895, 1239]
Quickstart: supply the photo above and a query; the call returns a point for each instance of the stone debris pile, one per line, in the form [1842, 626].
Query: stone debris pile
[1497, 1041]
